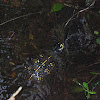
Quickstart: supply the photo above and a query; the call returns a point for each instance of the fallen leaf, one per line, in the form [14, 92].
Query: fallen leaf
[56, 7]
[11, 63]
[25, 53]
[31, 36]
[96, 32]
[98, 41]
[13, 74]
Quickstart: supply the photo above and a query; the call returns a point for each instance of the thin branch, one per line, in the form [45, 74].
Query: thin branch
[15, 18]
[92, 79]
[78, 13]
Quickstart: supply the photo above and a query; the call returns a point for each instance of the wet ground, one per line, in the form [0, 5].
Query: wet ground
[45, 57]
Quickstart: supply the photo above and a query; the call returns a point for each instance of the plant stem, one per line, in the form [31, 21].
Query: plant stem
[92, 79]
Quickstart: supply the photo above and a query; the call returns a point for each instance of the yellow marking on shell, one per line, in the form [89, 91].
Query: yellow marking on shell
[52, 64]
[40, 67]
[36, 60]
[31, 76]
[41, 55]
[43, 63]
[29, 68]
[47, 70]
[40, 78]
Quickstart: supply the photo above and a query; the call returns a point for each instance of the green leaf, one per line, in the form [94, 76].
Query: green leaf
[85, 85]
[88, 95]
[56, 7]
[96, 32]
[92, 92]
[95, 73]
[98, 41]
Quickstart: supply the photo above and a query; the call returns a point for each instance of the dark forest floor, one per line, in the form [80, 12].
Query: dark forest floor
[27, 31]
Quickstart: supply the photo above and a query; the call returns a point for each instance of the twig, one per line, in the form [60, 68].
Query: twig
[70, 6]
[79, 12]
[15, 18]
[92, 79]
[93, 64]
[16, 93]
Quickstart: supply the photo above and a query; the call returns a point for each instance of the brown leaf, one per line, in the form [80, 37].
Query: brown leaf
[13, 74]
